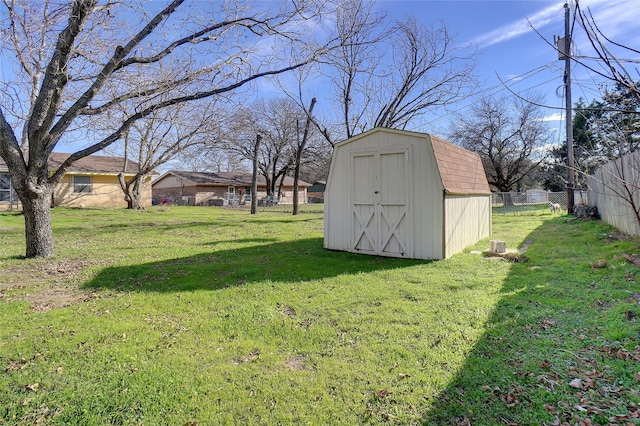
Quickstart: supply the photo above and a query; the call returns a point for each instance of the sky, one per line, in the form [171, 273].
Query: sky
[510, 50]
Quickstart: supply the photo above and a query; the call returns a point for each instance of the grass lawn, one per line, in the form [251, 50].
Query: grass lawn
[209, 316]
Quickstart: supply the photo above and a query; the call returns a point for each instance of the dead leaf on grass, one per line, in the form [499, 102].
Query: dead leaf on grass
[33, 388]
[547, 323]
[632, 258]
[16, 365]
[576, 383]
[252, 356]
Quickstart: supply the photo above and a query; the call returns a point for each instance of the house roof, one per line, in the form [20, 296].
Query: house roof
[98, 164]
[224, 178]
[92, 164]
[461, 170]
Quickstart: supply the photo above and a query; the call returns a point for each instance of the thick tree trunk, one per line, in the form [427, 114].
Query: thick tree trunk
[134, 194]
[131, 191]
[37, 221]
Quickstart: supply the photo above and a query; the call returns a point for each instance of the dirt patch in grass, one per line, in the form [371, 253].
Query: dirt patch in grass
[47, 285]
[298, 363]
[53, 298]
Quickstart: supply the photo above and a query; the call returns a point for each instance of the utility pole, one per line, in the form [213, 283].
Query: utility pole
[564, 49]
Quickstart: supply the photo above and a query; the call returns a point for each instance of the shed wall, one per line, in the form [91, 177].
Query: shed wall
[467, 220]
[425, 199]
[427, 204]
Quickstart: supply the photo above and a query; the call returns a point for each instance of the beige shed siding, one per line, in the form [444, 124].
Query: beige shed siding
[425, 197]
[427, 203]
[105, 192]
[435, 171]
[467, 220]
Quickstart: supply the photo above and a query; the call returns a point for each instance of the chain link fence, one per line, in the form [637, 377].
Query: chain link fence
[534, 201]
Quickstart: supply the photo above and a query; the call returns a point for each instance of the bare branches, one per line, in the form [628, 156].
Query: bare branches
[615, 69]
[507, 136]
[421, 70]
[429, 74]
[55, 78]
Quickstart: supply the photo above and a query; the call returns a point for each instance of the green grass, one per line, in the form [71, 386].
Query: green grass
[212, 316]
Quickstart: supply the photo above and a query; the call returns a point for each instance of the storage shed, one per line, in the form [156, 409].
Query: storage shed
[405, 194]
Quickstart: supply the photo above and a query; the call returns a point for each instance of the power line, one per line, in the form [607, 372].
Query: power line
[501, 87]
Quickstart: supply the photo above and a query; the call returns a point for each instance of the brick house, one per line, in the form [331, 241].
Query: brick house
[218, 189]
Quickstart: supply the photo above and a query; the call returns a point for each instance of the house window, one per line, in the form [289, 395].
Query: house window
[247, 191]
[6, 191]
[231, 193]
[82, 184]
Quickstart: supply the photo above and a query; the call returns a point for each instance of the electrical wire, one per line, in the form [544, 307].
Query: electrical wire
[492, 92]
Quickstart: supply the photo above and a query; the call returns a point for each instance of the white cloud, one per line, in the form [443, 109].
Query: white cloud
[556, 116]
[616, 18]
[521, 26]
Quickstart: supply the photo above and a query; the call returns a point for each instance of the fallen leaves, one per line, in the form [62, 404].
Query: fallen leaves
[16, 365]
[576, 383]
[634, 259]
[33, 388]
[622, 353]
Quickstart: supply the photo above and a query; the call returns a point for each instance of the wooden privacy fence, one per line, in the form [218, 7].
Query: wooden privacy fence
[615, 189]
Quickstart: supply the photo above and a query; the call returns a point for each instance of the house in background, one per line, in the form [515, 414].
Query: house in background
[90, 182]
[219, 189]
[316, 191]
[405, 194]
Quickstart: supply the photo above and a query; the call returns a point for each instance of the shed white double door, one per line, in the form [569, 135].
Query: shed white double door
[380, 211]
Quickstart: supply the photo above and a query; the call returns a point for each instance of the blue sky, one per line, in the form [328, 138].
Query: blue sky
[509, 48]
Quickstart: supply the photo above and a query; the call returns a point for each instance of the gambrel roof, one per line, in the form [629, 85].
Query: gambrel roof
[461, 170]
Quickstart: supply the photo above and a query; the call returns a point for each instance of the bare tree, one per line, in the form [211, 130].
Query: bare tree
[254, 174]
[424, 70]
[300, 147]
[508, 134]
[158, 138]
[276, 121]
[609, 66]
[67, 69]
[616, 185]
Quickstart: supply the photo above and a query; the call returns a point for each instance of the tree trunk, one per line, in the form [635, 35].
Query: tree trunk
[507, 201]
[131, 191]
[301, 145]
[254, 176]
[134, 193]
[37, 221]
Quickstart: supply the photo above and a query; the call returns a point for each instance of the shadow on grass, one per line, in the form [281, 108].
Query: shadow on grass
[261, 259]
[545, 331]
